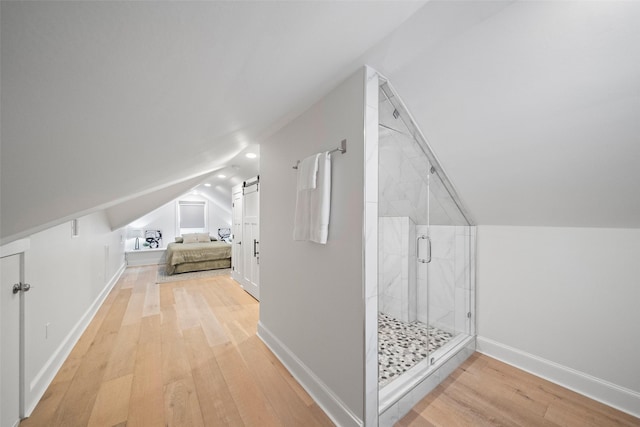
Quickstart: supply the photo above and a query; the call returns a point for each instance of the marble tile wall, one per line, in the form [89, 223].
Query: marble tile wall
[403, 180]
[397, 268]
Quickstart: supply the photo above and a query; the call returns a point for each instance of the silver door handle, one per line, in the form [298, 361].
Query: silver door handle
[24, 287]
[423, 237]
[255, 251]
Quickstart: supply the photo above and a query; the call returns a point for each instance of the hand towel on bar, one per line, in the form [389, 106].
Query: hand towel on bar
[313, 206]
[307, 172]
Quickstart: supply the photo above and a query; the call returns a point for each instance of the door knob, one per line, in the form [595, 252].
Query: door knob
[24, 287]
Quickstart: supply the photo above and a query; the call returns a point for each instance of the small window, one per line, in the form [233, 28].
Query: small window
[192, 217]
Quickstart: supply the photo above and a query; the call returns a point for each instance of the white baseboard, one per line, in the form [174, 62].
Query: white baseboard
[41, 381]
[335, 409]
[603, 391]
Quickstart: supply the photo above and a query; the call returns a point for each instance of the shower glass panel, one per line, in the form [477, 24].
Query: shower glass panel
[447, 301]
[423, 288]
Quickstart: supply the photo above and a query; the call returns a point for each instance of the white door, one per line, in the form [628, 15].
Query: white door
[251, 241]
[236, 230]
[10, 390]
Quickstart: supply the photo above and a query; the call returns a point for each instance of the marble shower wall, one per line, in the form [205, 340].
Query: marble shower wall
[397, 268]
[403, 177]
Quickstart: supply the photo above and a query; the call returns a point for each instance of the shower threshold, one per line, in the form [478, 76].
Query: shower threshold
[402, 345]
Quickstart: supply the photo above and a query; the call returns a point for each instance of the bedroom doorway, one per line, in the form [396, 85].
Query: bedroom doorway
[236, 238]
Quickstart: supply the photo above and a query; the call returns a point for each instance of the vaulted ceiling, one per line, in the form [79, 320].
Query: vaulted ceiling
[533, 108]
[105, 101]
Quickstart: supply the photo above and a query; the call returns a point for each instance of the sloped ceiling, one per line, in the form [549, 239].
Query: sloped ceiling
[533, 108]
[129, 210]
[103, 100]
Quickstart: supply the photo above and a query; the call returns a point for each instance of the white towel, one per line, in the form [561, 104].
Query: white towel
[313, 206]
[307, 172]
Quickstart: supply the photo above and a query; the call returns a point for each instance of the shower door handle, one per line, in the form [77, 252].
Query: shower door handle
[423, 260]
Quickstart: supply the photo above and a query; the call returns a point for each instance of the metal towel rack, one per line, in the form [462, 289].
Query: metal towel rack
[342, 149]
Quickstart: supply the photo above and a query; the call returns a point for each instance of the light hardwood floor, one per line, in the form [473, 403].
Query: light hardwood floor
[175, 354]
[186, 354]
[486, 392]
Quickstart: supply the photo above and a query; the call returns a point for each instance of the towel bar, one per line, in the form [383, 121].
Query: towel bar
[342, 149]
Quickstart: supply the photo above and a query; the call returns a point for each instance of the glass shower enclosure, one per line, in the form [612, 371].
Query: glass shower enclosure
[425, 257]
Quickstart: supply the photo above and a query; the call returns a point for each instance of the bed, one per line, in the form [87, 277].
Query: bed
[202, 254]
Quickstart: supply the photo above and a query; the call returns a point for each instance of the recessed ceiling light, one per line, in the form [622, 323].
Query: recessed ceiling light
[251, 155]
[207, 185]
[222, 175]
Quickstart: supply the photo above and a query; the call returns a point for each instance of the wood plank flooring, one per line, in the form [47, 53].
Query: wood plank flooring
[486, 392]
[186, 354]
[174, 354]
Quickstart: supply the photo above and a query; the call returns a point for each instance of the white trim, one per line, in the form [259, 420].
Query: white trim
[14, 248]
[610, 394]
[331, 404]
[43, 379]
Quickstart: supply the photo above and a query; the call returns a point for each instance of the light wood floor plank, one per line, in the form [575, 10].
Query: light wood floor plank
[216, 403]
[185, 309]
[182, 407]
[253, 408]
[146, 408]
[112, 404]
[209, 323]
[123, 357]
[151, 300]
[175, 361]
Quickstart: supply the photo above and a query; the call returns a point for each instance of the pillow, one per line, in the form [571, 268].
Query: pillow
[179, 239]
[203, 237]
[190, 238]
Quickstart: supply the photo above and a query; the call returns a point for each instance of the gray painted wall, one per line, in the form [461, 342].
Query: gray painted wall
[311, 295]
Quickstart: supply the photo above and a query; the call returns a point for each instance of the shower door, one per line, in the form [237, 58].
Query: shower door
[443, 266]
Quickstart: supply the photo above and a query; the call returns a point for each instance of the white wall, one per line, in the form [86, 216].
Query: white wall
[69, 278]
[517, 119]
[568, 297]
[165, 219]
[311, 295]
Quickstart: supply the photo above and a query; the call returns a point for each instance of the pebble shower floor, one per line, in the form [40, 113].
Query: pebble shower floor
[401, 345]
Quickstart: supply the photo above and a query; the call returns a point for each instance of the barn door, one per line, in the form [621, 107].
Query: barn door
[251, 237]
